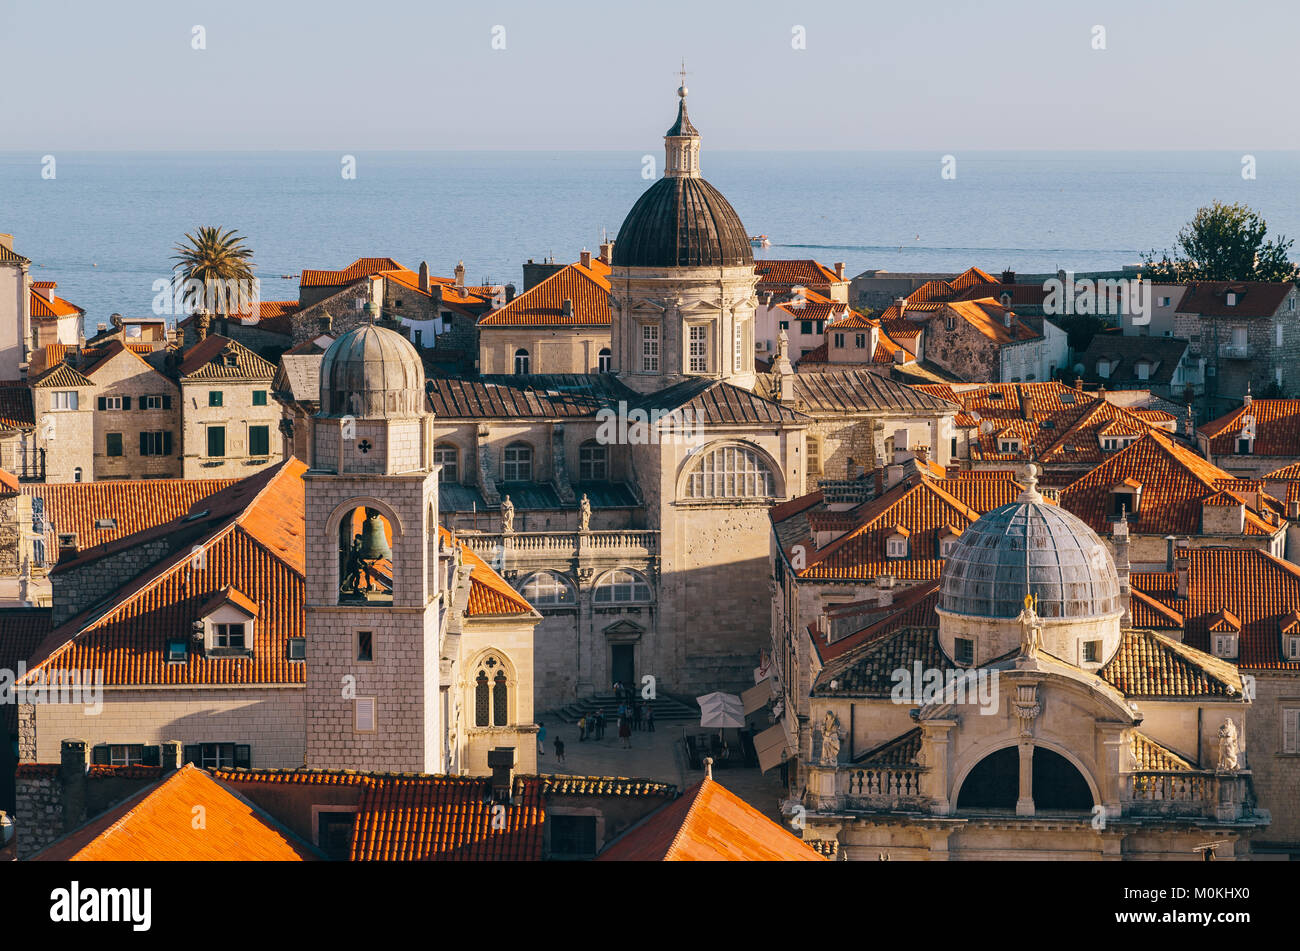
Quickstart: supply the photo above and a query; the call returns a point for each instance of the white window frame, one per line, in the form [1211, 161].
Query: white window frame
[548, 589]
[125, 754]
[697, 337]
[222, 631]
[64, 401]
[963, 651]
[649, 348]
[623, 586]
[1290, 729]
[593, 463]
[152, 402]
[112, 402]
[604, 361]
[896, 547]
[514, 458]
[450, 471]
[365, 716]
[1293, 647]
[1225, 646]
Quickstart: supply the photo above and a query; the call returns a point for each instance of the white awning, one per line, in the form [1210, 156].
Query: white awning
[757, 696]
[770, 745]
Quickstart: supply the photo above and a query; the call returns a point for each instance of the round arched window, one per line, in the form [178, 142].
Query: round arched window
[622, 586]
[730, 472]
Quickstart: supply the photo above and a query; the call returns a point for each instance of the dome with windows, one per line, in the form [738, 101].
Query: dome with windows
[372, 372]
[1030, 547]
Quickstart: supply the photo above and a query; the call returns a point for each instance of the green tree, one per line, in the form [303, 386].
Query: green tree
[1224, 243]
[217, 271]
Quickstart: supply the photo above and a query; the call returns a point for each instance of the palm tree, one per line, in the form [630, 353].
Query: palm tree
[217, 272]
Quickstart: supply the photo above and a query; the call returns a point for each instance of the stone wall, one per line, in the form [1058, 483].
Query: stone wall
[237, 414]
[129, 377]
[550, 349]
[1276, 772]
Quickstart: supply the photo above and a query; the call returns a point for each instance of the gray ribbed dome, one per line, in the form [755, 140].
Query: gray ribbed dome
[1029, 547]
[371, 372]
[682, 222]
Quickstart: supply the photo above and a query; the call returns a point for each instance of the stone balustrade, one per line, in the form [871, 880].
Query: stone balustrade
[1186, 793]
[632, 542]
[880, 787]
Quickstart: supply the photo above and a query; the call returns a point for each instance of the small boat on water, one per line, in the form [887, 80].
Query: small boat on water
[759, 241]
[288, 277]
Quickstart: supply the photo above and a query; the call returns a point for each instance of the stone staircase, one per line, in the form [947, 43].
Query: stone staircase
[667, 709]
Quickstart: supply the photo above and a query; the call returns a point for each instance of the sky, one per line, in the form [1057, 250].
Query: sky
[572, 74]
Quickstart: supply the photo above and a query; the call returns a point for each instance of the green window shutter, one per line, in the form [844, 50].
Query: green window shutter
[150, 756]
[114, 444]
[167, 443]
[103, 403]
[99, 755]
[193, 754]
[259, 397]
[214, 398]
[216, 441]
[144, 444]
[126, 402]
[243, 757]
[167, 402]
[259, 440]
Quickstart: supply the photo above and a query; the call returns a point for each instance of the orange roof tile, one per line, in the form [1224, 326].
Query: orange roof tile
[207, 360]
[709, 823]
[586, 290]
[16, 405]
[40, 307]
[358, 270]
[1277, 429]
[158, 825]
[783, 275]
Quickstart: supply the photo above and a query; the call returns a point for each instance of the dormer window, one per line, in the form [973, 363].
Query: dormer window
[228, 636]
[1144, 369]
[896, 545]
[178, 650]
[1126, 497]
[1231, 299]
[1291, 646]
[1103, 369]
[1225, 645]
[1009, 445]
[1245, 445]
[227, 622]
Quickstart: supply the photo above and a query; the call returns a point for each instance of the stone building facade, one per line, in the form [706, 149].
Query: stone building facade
[230, 425]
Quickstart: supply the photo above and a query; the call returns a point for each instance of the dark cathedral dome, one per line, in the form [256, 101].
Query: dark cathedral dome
[682, 222]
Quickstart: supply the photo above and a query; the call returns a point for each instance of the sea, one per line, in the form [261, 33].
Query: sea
[104, 225]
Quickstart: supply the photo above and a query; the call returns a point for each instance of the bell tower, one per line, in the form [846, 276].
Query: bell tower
[373, 593]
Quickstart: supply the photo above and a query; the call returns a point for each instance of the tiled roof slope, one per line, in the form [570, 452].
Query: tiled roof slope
[359, 269]
[1174, 482]
[16, 405]
[587, 289]
[446, 819]
[867, 670]
[542, 396]
[837, 391]
[989, 318]
[21, 632]
[206, 360]
[9, 256]
[709, 823]
[41, 307]
[1148, 754]
[1149, 664]
[781, 276]
[714, 402]
[1277, 429]
[1254, 298]
[157, 825]
[134, 505]
[1260, 590]
[489, 593]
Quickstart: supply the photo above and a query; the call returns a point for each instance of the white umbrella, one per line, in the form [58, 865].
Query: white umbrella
[721, 710]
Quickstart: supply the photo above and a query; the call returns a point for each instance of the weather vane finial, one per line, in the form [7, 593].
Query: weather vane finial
[681, 90]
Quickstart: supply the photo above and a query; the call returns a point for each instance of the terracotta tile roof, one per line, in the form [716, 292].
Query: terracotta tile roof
[1149, 613]
[9, 256]
[867, 669]
[1022, 295]
[783, 275]
[1150, 755]
[1285, 474]
[207, 360]
[157, 825]
[1257, 591]
[900, 751]
[988, 317]
[913, 607]
[1254, 298]
[40, 307]
[489, 594]
[133, 505]
[358, 270]
[16, 405]
[1175, 482]
[1149, 664]
[972, 277]
[586, 290]
[1277, 429]
[708, 823]
[9, 485]
[61, 376]
[446, 819]
[815, 306]
[301, 776]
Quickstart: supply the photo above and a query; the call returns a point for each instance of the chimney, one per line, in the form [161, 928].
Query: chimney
[1293, 509]
[607, 252]
[566, 307]
[1119, 535]
[1008, 277]
[46, 292]
[901, 304]
[1169, 553]
[1190, 425]
[1183, 567]
[460, 277]
[510, 293]
[839, 270]
[585, 258]
[1006, 318]
[72, 777]
[424, 276]
[502, 763]
[101, 327]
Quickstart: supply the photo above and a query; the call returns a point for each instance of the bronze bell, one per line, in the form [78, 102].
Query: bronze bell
[374, 544]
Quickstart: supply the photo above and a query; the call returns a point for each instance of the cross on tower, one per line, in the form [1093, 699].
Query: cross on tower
[682, 89]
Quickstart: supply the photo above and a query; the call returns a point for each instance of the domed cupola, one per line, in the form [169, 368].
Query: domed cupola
[371, 372]
[682, 220]
[1030, 547]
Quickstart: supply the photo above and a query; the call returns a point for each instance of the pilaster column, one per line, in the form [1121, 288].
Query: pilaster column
[1025, 804]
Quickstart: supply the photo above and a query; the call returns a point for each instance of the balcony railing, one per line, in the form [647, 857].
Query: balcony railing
[880, 787]
[1186, 793]
[31, 465]
[565, 544]
[1236, 351]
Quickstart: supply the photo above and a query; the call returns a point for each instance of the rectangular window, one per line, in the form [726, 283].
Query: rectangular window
[593, 463]
[177, 650]
[110, 402]
[1092, 652]
[839, 341]
[517, 464]
[964, 648]
[156, 443]
[1225, 645]
[214, 398]
[216, 755]
[445, 456]
[259, 440]
[897, 548]
[363, 715]
[806, 326]
[860, 341]
[699, 349]
[814, 445]
[154, 402]
[573, 836]
[114, 447]
[259, 397]
[130, 754]
[365, 647]
[650, 348]
[1291, 730]
[216, 442]
[63, 400]
[228, 636]
[740, 346]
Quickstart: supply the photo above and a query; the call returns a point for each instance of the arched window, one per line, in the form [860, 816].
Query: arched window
[500, 704]
[76, 474]
[517, 463]
[521, 360]
[481, 699]
[730, 472]
[447, 456]
[365, 558]
[604, 361]
[547, 589]
[593, 462]
[622, 586]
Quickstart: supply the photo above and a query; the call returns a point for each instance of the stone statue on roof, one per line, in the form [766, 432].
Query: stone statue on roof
[1228, 746]
[584, 514]
[1031, 630]
[830, 740]
[507, 516]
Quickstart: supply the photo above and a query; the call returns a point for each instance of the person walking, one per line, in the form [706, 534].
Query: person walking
[559, 750]
[541, 739]
[582, 728]
[636, 715]
[625, 733]
[650, 717]
[600, 724]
